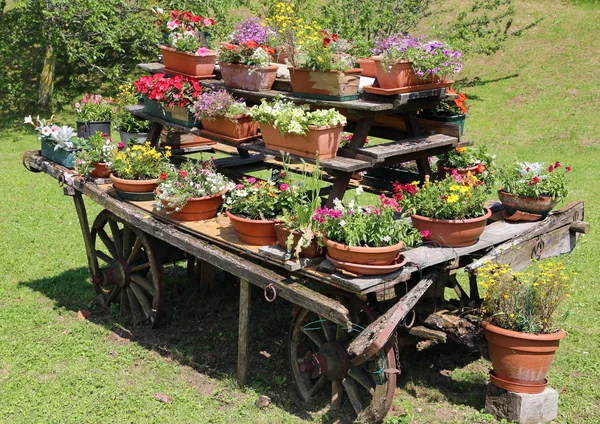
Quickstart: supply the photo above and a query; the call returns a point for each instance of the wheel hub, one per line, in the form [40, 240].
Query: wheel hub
[117, 274]
[331, 361]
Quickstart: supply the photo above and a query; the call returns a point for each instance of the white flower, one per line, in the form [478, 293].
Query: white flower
[46, 131]
[359, 190]
[338, 204]
[159, 10]
[351, 205]
[342, 222]
[387, 239]
[28, 120]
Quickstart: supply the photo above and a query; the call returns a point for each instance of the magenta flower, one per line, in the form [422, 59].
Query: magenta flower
[251, 180]
[121, 146]
[284, 187]
[425, 233]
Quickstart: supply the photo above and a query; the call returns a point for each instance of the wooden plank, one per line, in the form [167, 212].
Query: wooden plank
[406, 146]
[243, 333]
[286, 259]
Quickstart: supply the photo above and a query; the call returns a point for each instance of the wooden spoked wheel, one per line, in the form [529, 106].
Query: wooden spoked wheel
[131, 274]
[321, 367]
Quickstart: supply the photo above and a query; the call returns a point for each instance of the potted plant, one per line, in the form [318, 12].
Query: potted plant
[405, 61]
[450, 212]
[532, 189]
[185, 48]
[221, 114]
[94, 113]
[450, 110]
[136, 168]
[465, 161]
[246, 66]
[94, 154]
[253, 206]
[192, 192]
[169, 98]
[293, 129]
[521, 315]
[369, 236]
[130, 127]
[58, 144]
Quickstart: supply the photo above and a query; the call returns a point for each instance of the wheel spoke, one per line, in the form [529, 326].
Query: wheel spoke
[362, 379]
[113, 295]
[123, 303]
[136, 310]
[352, 392]
[116, 235]
[318, 386]
[314, 336]
[104, 257]
[141, 281]
[127, 233]
[337, 390]
[140, 267]
[328, 329]
[136, 249]
[142, 299]
[108, 243]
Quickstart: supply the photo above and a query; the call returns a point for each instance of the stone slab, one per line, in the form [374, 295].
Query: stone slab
[520, 407]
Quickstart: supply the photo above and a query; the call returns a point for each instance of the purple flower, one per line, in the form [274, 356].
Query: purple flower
[250, 30]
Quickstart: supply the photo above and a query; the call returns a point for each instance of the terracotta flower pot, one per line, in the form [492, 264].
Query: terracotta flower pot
[242, 127]
[443, 171]
[312, 251]
[324, 140]
[100, 170]
[363, 255]
[367, 67]
[398, 75]
[541, 206]
[188, 63]
[452, 232]
[521, 358]
[248, 77]
[253, 231]
[134, 186]
[199, 208]
[343, 85]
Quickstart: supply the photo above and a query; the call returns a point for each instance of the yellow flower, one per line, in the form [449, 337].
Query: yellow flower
[461, 149]
[453, 198]
[415, 183]
[464, 189]
[454, 188]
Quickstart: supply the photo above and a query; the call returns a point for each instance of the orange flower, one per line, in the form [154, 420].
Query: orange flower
[461, 149]
[481, 168]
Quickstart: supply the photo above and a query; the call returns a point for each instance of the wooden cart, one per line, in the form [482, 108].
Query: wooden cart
[345, 329]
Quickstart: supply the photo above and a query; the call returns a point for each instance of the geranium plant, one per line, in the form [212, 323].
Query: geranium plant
[184, 31]
[527, 302]
[450, 198]
[95, 107]
[172, 91]
[219, 103]
[288, 118]
[61, 137]
[465, 157]
[98, 148]
[535, 179]
[450, 106]
[327, 52]
[248, 53]
[191, 180]
[139, 162]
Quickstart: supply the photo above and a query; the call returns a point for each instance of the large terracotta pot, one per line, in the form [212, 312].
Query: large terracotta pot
[541, 206]
[452, 232]
[363, 255]
[241, 127]
[253, 231]
[134, 186]
[248, 77]
[100, 170]
[323, 84]
[521, 361]
[324, 140]
[367, 67]
[312, 251]
[398, 75]
[443, 171]
[187, 63]
[199, 208]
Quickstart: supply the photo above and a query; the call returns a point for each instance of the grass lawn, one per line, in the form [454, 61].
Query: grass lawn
[538, 100]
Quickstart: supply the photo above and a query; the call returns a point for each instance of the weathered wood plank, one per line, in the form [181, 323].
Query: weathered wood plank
[243, 333]
[409, 145]
[456, 328]
[427, 333]
[286, 259]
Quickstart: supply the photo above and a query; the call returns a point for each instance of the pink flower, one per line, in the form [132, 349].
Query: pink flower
[368, 210]
[568, 169]
[377, 211]
[456, 176]
[208, 22]
[251, 180]
[121, 146]
[239, 186]
[550, 168]
[54, 129]
[557, 165]
[77, 105]
[425, 233]
[174, 24]
[284, 187]
[201, 51]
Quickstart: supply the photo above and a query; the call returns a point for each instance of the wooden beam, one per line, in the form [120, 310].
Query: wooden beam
[243, 332]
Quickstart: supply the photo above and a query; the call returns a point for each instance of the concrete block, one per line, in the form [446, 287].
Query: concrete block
[520, 407]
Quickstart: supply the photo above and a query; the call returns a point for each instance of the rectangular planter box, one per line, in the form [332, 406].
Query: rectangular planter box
[241, 129]
[455, 119]
[188, 64]
[330, 85]
[177, 115]
[324, 140]
[62, 157]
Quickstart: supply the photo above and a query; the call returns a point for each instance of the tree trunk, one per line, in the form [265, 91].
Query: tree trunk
[47, 77]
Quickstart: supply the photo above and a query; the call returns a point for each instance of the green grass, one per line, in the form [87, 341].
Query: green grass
[536, 100]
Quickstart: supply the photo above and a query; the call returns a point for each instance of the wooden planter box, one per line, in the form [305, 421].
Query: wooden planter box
[177, 115]
[328, 85]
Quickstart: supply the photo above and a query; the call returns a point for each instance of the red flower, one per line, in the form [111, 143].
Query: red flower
[326, 42]
[334, 37]
[163, 176]
[557, 165]
[183, 174]
[550, 168]
[480, 168]
[568, 169]
[534, 181]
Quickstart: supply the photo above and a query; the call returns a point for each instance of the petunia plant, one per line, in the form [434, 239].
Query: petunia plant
[184, 31]
[248, 53]
[535, 179]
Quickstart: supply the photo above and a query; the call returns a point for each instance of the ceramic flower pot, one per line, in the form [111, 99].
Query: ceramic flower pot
[312, 251]
[241, 127]
[100, 170]
[248, 77]
[188, 64]
[62, 157]
[255, 232]
[199, 208]
[324, 140]
[452, 232]
[540, 206]
[386, 255]
[87, 128]
[398, 75]
[134, 186]
[367, 67]
[521, 361]
[443, 171]
[325, 84]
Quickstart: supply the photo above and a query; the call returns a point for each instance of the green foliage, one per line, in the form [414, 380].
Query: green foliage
[98, 148]
[126, 121]
[139, 162]
[246, 53]
[535, 179]
[468, 157]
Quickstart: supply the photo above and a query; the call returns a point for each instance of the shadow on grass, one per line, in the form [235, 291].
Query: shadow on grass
[477, 82]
